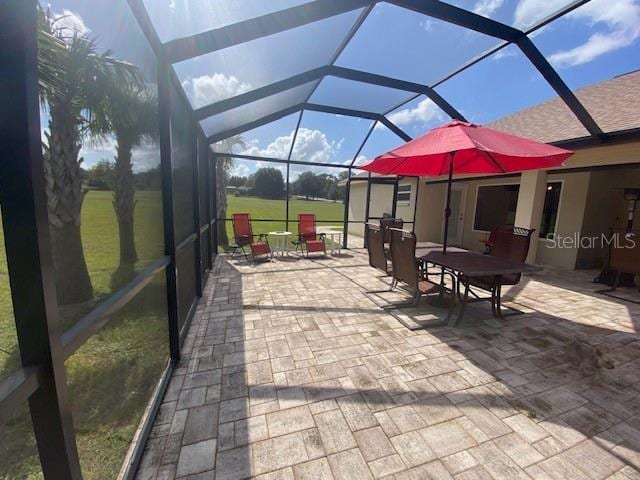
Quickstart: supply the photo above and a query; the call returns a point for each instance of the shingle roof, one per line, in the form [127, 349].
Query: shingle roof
[614, 104]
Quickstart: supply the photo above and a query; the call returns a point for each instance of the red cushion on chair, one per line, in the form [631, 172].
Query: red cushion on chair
[260, 248]
[315, 245]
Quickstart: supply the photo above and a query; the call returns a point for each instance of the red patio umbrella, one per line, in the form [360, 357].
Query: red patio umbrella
[461, 147]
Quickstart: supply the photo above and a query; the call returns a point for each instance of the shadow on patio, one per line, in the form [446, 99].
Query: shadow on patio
[295, 372]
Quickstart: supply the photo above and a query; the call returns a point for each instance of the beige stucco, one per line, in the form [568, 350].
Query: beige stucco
[590, 203]
[381, 197]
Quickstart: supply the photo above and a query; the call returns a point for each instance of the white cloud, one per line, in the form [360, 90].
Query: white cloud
[423, 112]
[509, 51]
[426, 24]
[622, 21]
[311, 146]
[279, 148]
[208, 89]
[529, 12]
[487, 7]
[70, 23]
[240, 171]
[361, 159]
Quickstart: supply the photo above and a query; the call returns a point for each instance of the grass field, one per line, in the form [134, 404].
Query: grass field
[275, 209]
[112, 376]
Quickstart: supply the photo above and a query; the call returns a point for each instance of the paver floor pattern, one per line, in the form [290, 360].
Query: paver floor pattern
[290, 371]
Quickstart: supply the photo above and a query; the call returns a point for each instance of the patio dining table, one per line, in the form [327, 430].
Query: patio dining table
[467, 265]
[424, 248]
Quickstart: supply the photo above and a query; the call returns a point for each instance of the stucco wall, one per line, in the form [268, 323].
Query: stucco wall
[586, 203]
[431, 200]
[573, 198]
[605, 209]
[381, 197]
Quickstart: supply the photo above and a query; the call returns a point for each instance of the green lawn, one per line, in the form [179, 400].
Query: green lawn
[261, 208]
[112, 376]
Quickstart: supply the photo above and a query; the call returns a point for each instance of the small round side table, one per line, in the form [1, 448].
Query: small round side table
[280, 243]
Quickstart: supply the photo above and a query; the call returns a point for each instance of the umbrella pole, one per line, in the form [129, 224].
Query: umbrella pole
[447, 210]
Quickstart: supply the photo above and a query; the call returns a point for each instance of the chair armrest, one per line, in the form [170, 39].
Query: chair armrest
[322, 236]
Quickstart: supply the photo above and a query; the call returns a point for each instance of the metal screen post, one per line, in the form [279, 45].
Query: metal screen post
[27, 241]
[366, 207]
[394, 201]
[213, 164]
[195, 180]
[207, 192]
[164, 116]
[345, 226]
[415, 204]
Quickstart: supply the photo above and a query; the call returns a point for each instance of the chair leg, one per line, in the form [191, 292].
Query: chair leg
[616, 280]
[463, 303]
[499, 300]
[415, 301]
[493, 302]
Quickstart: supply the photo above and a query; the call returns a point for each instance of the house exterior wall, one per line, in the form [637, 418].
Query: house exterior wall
[589, 205]
[381, 197]
[605, 208]
[357, 206]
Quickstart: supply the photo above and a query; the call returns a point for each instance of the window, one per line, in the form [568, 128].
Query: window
[403, 196]
[495, 205]
[550, 210]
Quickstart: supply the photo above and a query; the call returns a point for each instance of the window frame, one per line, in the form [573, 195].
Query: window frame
[549, 181]
[407, 202]
[558, 210]
[475, 201]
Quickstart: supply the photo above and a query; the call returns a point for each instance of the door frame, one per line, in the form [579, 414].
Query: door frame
[394, 200]
[463, 188]
[379, 181]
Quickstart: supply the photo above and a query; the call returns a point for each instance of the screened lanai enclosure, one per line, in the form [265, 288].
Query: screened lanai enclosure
[132, 131]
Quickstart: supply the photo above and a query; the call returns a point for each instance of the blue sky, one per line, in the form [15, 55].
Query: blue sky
[596, 42]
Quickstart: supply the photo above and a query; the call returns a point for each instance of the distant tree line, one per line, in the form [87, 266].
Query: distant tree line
[268, 182]
[102, 176]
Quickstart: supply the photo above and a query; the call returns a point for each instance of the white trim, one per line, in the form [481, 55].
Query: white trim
[410, 191]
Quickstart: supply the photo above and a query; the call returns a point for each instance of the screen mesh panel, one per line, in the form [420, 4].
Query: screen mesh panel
[244, 67]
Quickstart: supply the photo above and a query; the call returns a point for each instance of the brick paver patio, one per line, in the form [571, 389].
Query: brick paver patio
[291, 372]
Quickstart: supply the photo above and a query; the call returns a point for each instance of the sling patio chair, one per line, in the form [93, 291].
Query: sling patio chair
[389, 222]
[509, 243]
[244, 237]
[309, 241]
[406, 270]
[375, 248]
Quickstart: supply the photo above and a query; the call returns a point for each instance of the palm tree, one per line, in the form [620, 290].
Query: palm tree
[132, 113]
[73, 84]
[223, 167]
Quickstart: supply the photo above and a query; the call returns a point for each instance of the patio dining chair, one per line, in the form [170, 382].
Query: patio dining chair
[389, 222]
[309, 240]
[375, 248]
[509, 243]
[244, 237]
[406, 268]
